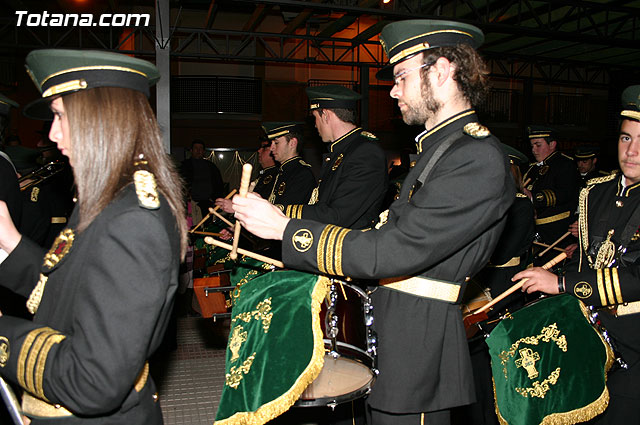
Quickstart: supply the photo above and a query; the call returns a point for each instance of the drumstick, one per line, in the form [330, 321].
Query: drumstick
[208, 233]
[518, 285]
[244, 186]
[526, 182]
[250, 254]
[221, 217]
[209, 215]
[547, 246]
[554, 244]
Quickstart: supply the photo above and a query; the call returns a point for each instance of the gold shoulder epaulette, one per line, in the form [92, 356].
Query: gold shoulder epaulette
[598, 180]
[146, 189]
[368, 135]
[476, 130]
[304, 163]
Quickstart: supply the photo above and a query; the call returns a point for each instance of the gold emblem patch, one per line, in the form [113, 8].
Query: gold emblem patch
[267, 179]
[281, 188]
[302, 240]
[583, 290]
[4, 351]
[59, 249]
[543, 170]
[337, 163]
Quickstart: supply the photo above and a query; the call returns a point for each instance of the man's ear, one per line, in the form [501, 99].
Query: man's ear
[443, 68]
[294, 142]
[553, 145]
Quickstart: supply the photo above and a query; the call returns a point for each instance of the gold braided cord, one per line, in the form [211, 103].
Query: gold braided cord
[276, 407]
[583, 229]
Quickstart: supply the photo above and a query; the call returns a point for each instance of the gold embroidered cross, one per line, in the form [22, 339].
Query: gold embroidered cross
[527, 361]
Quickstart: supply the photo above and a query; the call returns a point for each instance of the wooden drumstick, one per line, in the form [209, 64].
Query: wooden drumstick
[207, 233]
[244, 187]
[215, 209]
[518, 285]
[221, 217]
[554, 244]
[250, 254]
[526, 182]
[547, 246]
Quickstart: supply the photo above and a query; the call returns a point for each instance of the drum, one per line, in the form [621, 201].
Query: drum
[350, 345]
[549, 364]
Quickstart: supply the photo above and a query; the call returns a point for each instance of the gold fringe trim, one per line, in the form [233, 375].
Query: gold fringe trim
[582, 414]
[277, 407]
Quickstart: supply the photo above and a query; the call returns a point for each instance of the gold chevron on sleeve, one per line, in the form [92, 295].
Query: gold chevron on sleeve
[54, 338]
[24, 352]
[331, 245]
[33, 357]
[338, 256]
[616, 285]
[601, 291]
[320, 253]
[294, 211]
[608, 286]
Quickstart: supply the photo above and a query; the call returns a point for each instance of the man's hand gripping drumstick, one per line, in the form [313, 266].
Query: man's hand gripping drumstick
[244, 188]
[538, 279]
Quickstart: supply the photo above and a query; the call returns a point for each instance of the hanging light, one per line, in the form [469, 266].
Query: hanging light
[386, 1]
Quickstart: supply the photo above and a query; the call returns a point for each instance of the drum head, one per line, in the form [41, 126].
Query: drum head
[340, 380]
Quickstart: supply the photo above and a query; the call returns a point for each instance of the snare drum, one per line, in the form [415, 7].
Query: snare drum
[349, 362]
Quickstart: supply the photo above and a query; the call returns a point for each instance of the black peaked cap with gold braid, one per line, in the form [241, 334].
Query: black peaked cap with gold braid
[541, 132]
[404, 39]
[631, 103]
[277, 129]
[5, 105]
[332, 96]
[58, 72]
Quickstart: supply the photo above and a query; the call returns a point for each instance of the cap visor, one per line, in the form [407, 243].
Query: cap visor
[386, 73]
[38, 109]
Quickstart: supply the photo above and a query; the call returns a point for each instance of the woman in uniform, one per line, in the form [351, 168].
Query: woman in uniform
[103, 293]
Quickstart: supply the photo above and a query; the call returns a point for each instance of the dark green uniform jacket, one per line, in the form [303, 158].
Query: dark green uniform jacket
[610, 206]
[555, 184]
[294, 183]
[352, 184]
[264, 182]
[106, 303]
[443, 230]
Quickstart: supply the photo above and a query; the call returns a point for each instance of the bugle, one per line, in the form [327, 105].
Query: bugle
[41, 174]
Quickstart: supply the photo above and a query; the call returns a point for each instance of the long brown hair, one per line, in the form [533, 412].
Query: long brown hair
[471, 72]
[109, 127]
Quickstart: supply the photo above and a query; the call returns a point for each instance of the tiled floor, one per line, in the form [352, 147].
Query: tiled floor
[191, 377]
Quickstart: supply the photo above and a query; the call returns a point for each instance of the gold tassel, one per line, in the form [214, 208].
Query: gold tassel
[605, 253]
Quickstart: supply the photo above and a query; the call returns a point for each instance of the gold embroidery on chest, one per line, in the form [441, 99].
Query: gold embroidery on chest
[60, 248]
